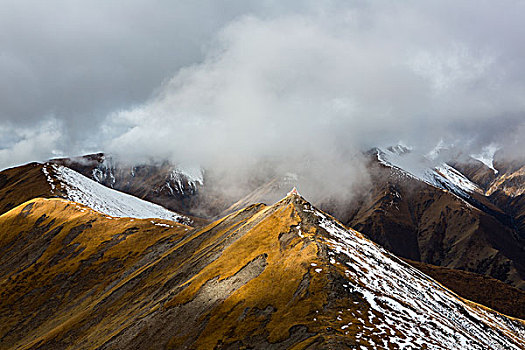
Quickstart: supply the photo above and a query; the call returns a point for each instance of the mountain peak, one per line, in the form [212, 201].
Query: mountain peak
[294, 198]
[293, 192]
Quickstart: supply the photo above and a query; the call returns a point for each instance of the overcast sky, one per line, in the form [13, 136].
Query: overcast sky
[213, 81]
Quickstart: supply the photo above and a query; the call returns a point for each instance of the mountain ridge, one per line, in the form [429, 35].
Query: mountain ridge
[49, 180]
[271, 276]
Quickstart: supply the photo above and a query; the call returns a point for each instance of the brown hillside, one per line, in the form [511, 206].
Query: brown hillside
[20, 184]
[423, 223]
[58, 258]
[478, 288]
[281, 276]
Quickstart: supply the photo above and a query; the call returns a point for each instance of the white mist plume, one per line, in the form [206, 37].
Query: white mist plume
[30, 143]
[312, 90]
[302, 87]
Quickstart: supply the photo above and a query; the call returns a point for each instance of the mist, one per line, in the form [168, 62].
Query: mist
[305, 87]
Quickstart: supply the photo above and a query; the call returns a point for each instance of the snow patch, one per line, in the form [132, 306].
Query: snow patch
[49, 178]
[487, 156]
[83, 190]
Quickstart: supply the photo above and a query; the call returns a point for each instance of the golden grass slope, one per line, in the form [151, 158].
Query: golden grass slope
[58, 258]
[243, 279]
[261, 278]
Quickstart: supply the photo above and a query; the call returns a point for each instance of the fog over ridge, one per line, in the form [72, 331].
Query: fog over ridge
[309, 86]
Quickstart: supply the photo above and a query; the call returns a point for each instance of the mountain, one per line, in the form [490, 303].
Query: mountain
[416, 218]
[424, 169]
[438, 216]
[507, 190]
[160, 183]
[22, 183]
[48, 180]
[190, 191]
[496, 189]
[434, 212]
[280, 276]
[58, 256]
[481, 289]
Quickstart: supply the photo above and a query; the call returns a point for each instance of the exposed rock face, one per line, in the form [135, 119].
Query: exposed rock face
[280, 276]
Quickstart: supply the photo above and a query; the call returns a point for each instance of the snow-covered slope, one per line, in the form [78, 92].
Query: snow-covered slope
[83, 190]
[407, 309]
[440, 175]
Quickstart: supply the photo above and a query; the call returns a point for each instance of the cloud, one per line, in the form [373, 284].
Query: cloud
[81, 60]
[305, 86]
[27, 144]
[322, 85]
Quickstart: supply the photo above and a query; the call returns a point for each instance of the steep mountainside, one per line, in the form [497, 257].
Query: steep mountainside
[477, 172]
[508, 192]
[471, 188]
[435, 215]
[189, 191]
[481, 289]
[20, 184]
[504, 187]
[57, 257]
[465, 215]
[280, 276]
[426, 223]
[163, 184]
[49, 180]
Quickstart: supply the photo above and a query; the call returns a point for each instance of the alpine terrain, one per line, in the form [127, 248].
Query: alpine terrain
[265, 175]
[86, 266]
[280, 276]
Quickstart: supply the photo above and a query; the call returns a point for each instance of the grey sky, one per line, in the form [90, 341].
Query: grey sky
[74, 62]
[189, 80]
